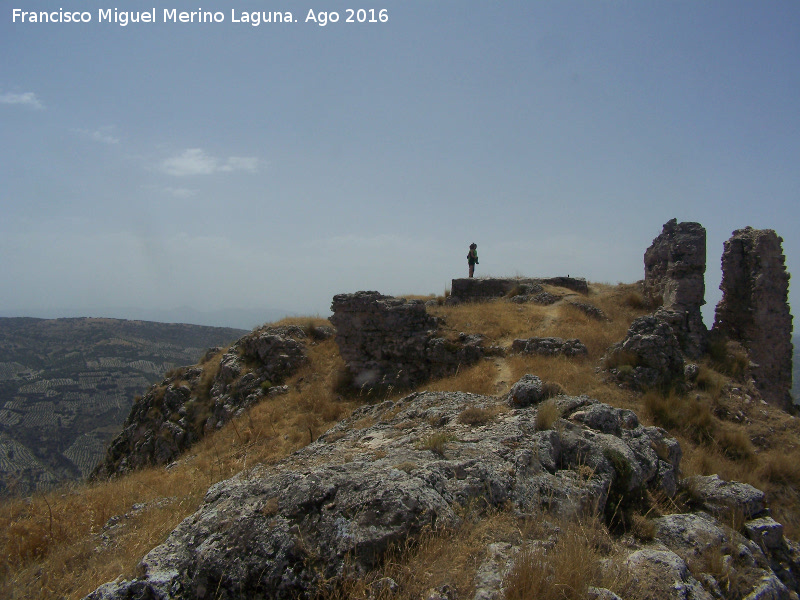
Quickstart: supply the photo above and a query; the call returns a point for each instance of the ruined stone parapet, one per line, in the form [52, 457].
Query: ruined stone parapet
[674, 277]
[550, 346]
[387, 341]
[754, 309]
[472, 289]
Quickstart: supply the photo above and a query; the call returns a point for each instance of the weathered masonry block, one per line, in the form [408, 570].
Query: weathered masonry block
[387, 341]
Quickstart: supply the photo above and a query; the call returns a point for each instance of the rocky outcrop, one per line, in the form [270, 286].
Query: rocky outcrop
[674, 277]
[754, 309]
[387, 341]
[550, 346]
[333, 508]
[476, 289]
[175, 414]
[649, 356]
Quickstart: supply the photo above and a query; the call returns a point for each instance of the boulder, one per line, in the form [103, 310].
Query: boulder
[649, 356]
[724, 497]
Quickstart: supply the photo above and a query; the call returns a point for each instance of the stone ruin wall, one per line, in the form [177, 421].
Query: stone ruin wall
[483, 288]
[674, 277]
[754, 309]
[387, 341]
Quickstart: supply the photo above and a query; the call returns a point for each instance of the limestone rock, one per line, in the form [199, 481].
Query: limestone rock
[334, 507]
[754, 309]
[663, 574]
[279, 531]
[649, 356]
[176, 414]
[590, 310]
[526, 392]
[719, 496]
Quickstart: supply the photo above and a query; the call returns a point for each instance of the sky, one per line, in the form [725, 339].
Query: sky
[224, 165]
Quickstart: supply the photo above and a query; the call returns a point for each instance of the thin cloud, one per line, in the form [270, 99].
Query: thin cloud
[195, 161]
[28, 99]
[179, 192]
[240, 163]
[101, 136]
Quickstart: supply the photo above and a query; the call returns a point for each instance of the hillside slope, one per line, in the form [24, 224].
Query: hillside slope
[66, 385]
[68, 544]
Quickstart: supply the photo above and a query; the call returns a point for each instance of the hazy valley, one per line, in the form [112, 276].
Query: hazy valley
[66, 386]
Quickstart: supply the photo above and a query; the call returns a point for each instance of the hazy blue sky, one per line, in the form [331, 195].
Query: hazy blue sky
[230, 166]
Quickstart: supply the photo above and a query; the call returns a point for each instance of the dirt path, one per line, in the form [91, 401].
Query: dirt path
[502, 380]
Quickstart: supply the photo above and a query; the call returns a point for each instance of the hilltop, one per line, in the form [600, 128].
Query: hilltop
[66, 386]
[723, 429]
[542, 442]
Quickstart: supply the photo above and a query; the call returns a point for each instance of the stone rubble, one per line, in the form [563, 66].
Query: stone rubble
[549, 346]
[649, 356]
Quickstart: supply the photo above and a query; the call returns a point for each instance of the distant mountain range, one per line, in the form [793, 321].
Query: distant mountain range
[240, 318]
[66, 386]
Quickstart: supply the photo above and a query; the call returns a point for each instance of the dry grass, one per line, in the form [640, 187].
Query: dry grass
[476, 415]
[547, 414]
[566, 570]
[435, 442]
[477, 379]
[439, 557]
[502, 321]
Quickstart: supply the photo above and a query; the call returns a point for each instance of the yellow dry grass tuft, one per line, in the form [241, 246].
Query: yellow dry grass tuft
[476, 379]
[547, 414]
[566, 570]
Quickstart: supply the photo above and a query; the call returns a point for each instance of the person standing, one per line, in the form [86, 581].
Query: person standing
[472, 258]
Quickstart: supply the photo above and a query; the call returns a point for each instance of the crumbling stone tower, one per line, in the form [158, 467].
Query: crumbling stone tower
[754, 309]
[674, 274]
